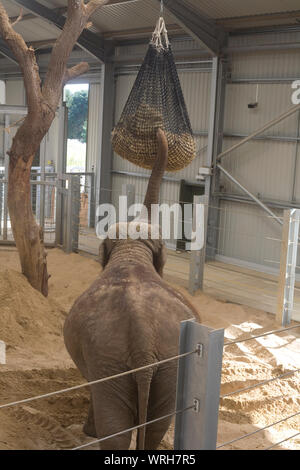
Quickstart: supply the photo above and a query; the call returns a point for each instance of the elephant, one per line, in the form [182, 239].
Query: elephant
[128, 318]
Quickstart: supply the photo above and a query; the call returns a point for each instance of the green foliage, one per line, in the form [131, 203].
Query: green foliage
[77, 104]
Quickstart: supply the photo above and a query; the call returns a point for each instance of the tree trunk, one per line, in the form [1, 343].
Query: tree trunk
[27, 234]
[42, 102]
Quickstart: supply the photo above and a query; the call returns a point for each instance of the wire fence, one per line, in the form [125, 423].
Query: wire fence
[197, 351]
[261, 384]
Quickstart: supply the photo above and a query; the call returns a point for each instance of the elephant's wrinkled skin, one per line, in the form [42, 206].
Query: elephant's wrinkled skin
[129, 318]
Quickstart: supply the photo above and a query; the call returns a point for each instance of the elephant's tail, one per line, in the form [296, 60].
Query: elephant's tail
[143, 383]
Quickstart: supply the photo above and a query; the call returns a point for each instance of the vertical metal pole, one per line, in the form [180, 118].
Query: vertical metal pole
[129, 191]
[1, 201]
[219, 83]
[67, 211]
[288, 260]
[91, 201]
[72, 208]
[6, 164]
[198, 383]
[75, 211]
[42, 187]
[106, 109]
[197, 259]
[61, 168]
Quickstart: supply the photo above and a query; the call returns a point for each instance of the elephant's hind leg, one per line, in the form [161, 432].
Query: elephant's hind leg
[89, 428]
[112, 415]
[161, 403]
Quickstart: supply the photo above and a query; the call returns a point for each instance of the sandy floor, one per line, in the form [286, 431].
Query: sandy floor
[37, 363]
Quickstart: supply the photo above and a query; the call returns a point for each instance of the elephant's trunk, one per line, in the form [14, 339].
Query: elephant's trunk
[152, 195]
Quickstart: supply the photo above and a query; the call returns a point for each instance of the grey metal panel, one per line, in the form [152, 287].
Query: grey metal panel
[15, 93]
[247, 234]
[273, 99]
[93, 126]
[266, 64]
[272, 37]
[264, 167]
[235, 8]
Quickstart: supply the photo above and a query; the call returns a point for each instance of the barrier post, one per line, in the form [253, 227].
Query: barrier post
[198, 383]
[197, 259]
[288, 261]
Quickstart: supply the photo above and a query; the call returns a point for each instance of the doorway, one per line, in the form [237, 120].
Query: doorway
[187, 192]
[76, 97]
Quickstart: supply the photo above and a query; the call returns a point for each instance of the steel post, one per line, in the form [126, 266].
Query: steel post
[197, 259]
[6, 165]
[198, 384]
[288, 261]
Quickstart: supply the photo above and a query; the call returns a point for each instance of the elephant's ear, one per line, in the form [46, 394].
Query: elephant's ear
[104, 252]
[160, 257]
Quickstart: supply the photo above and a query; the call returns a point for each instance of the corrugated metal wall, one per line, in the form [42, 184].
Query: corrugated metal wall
[268, 168]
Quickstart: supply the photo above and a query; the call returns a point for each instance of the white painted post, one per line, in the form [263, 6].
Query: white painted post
[197, 259]
[2, 352]
[288, 261]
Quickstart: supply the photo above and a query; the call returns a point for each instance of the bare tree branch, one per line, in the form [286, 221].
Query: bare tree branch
[25, 57]
[77, 19]
[18, 19]
[93, 5]
[76, 71]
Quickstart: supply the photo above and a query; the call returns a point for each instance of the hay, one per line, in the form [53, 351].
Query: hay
[135, 139]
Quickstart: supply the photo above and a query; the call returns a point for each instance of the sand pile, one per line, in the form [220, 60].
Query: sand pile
[38, 362]
[25, 314]
[30, 324]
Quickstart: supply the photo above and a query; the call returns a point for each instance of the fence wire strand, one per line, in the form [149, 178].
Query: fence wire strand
[257, 431]
[263, 334]
[259, 384]
[134, 428]
[284, 440]
[104, 379]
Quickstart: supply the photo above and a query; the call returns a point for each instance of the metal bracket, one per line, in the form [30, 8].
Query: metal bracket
[199, 349]
[196, 405]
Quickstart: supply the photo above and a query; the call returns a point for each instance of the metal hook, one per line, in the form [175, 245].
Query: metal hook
[161, 7]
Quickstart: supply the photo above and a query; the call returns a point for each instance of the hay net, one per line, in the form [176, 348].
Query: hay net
[156, 101]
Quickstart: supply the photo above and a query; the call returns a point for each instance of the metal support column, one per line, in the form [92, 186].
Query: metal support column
[106, 107]
[61, 168]
[91, 201]
[71, 212]
[198, 384]
[215, 143]
[197, 260]
[41, 189]
[6, 165]
[288, 261]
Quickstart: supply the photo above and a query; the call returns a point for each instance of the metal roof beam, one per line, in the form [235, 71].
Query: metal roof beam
[6, 52]
[197, 25]
[88, 41]
[31, 16]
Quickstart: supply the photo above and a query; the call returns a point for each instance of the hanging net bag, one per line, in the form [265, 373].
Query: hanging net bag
[156, 101]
